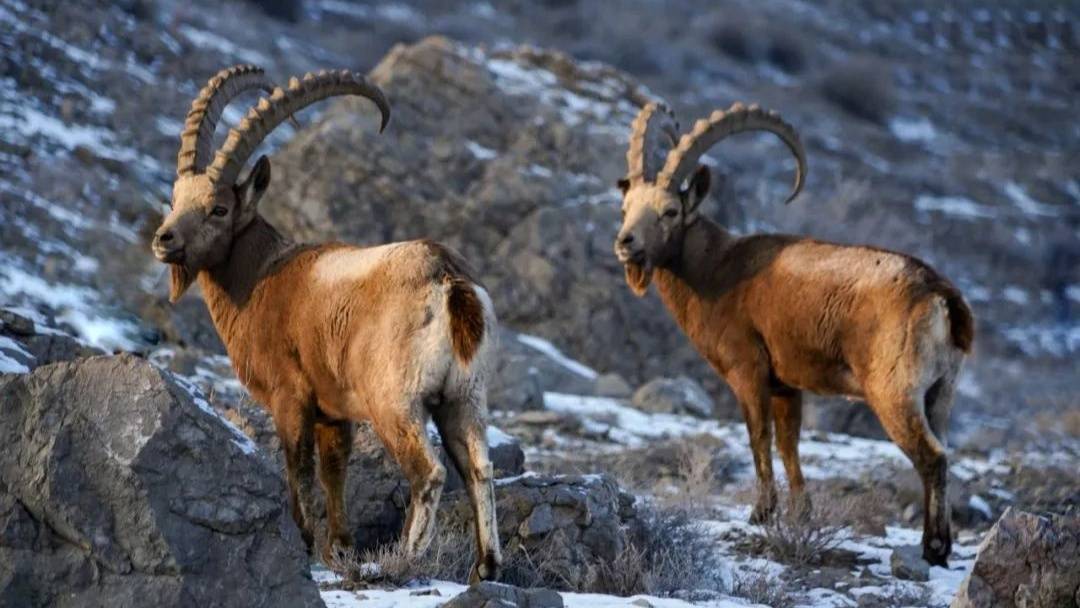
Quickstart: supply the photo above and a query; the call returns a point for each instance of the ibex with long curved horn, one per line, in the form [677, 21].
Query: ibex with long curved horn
[776, 315]
[326, 335]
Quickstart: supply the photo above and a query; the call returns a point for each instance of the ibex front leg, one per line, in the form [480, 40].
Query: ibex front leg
[752, 391]
[295, 423]
[334, 441]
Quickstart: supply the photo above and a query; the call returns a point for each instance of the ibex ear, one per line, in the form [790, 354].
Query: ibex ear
[179, 281]
[249, 191]
[696, 192]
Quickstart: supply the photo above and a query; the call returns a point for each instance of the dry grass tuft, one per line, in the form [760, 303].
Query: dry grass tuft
[802, 535]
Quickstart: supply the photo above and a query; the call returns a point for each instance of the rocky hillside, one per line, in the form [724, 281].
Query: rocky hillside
[941, 132]
[945, 132]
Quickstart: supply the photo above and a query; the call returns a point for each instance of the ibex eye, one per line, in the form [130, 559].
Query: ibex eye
[671, 212]
[220, 211]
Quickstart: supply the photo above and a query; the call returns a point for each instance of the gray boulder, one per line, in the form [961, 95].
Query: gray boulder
[526, 367]
[1025, 561]
[908, 564]
[119, 486]
[840, 416]
[571, 523]
[497, 595]
[29, 339]
[680, 395]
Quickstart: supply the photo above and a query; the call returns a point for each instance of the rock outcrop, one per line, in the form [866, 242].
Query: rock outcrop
[119, 486]
[572, 523]
[496, 595]
[511, 157]
[674, 396]
[1025, 561]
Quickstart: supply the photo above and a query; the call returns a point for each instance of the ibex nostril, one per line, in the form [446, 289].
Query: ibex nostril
[626, 240]
[165, 237]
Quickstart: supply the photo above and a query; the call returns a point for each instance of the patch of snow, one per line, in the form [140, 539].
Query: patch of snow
[556, 355]
[480, 152]
[1023, 200]
[239, 439]
[496, 438]
[956, 206]
[979, 504]
[540, 171]
[912, 129]
[77, 306]
[1015, 294]
[211, 41]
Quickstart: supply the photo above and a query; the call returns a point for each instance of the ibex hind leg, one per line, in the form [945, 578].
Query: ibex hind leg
[406, 438]
[462, 425]
[904, 421]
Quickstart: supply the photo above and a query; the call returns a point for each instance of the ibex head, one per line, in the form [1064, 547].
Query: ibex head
[210, 204]
[656, 207]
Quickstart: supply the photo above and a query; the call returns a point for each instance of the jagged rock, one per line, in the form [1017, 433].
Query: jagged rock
[118, 484]
[679, 395]
[525, 367]
[1025, 561]
[26, 343]
[573, 523]
[840, 416]
[498, 595]
[908, 564]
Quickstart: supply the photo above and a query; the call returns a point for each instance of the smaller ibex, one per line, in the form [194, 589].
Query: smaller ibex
[776, 315]
[328, 335]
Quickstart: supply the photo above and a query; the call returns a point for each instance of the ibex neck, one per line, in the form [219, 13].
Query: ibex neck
[228, 286]
[691, 276]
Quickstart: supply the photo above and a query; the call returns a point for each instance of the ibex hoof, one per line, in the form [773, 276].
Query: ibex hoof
[761, 514]
[486, 569]
[936, 553]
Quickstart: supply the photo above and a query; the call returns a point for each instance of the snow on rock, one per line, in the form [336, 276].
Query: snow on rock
[555, 354]
[77, 306]
[912, 129]
[956, 206]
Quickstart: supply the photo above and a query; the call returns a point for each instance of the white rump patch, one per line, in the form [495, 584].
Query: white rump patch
[350, 264]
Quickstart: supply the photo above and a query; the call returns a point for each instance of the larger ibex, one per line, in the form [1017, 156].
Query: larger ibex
[776, 315]
[325, 335]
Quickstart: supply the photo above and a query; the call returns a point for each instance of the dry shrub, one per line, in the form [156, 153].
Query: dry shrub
[449, 557]
[760, 588]
[695, 478]
[670, 554]
[862, 88]
[802, 534]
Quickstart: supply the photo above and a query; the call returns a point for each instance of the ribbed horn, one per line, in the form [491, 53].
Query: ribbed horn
[269, 112]
[197, 139]
[708, 132]
[652, 135]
